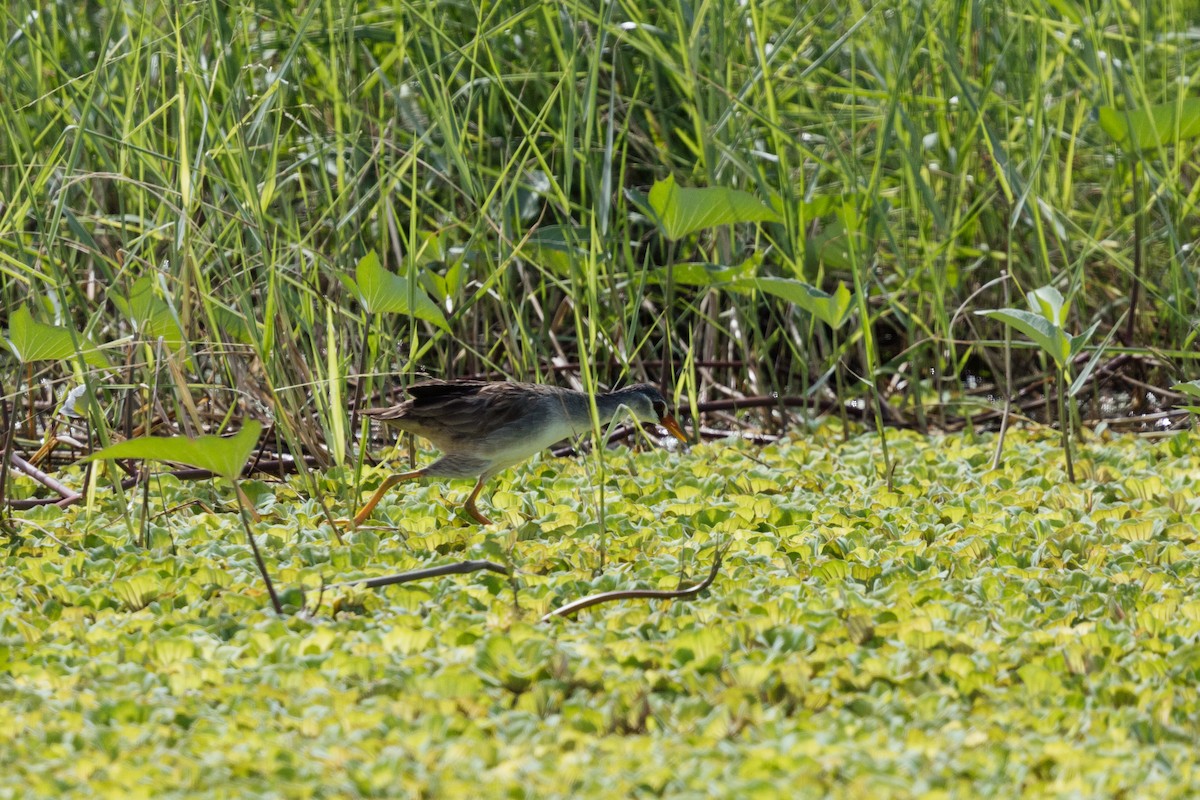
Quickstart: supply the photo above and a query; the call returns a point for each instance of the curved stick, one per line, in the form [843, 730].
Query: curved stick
[641, 594]
[459, 568]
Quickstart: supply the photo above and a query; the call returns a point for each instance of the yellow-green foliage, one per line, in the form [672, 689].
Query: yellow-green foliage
[976, 632]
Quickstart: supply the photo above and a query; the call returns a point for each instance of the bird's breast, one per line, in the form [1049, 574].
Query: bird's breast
[516, 443]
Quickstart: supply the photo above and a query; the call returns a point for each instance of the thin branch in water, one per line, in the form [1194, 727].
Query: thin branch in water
[457, 568]
[574, 607]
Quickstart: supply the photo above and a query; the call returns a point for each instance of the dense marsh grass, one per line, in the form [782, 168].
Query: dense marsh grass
[213, 172]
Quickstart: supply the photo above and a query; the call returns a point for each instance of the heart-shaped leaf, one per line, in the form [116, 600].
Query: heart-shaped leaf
[224, 456]
[832, 309]
[32, 341]
[1049, 302]
[704, 274]
[385, 293]
[834, 242]
[1042, 331]
[682, 211]
[150, 313]
[232, 326]
[1152, 126]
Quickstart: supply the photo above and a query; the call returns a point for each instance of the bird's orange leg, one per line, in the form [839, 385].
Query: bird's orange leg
[388, 482]
[470, 505]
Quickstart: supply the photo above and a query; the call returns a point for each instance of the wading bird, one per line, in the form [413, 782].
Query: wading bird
[484, 427]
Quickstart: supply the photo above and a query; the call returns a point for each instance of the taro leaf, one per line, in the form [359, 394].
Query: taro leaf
[1044, 324]
[232, 326]
[35, 341]
[454, 279]
[150, 313]
[434, 285]
[1046, 334]
[682, 211]
[832, 309]
[1152, 126]
[433, 253]
[1049, 302]
[704, 274]
[385, 293]
[840, 232]
[224, 456]
[832, 244]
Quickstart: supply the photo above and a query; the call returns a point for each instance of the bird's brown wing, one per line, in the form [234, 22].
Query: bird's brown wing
[441, 391]
[456, 415]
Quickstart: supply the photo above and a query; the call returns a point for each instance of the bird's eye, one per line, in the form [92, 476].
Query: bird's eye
[660, 409]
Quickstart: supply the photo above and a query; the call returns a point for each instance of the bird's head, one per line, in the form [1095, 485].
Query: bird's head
[648, 405]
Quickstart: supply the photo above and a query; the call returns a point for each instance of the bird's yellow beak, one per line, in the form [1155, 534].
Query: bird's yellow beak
[672, 426]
